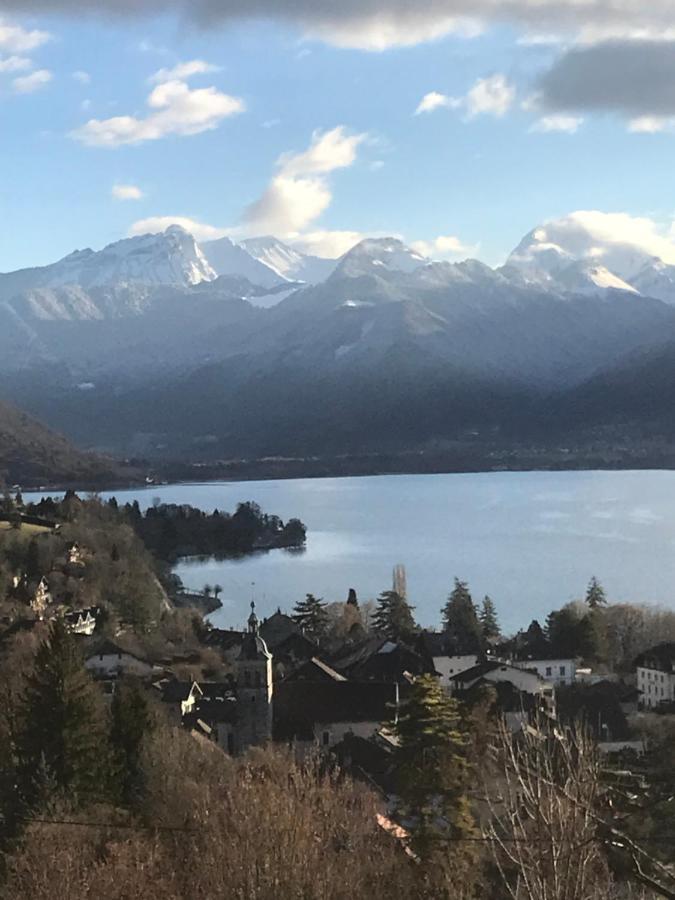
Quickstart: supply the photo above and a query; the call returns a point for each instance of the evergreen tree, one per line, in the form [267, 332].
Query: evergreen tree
[488, 620]
[310, 615]
[394, 617]
[595, 594]
[460, 619]
[131, 722]
[432, 776]
[63, 723]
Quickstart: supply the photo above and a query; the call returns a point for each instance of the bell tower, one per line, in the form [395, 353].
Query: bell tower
[254, 688]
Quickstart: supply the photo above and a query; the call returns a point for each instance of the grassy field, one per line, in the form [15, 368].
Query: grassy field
[25, 529]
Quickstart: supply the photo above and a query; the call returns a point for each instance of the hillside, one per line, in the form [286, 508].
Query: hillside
[31, 454]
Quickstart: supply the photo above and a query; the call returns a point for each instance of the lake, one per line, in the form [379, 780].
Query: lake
[531, 540]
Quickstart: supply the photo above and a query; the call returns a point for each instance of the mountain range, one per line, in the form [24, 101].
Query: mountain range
[162, 346]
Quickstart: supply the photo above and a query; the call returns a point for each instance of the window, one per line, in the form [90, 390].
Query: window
[562, 670]
[325, 738]
[549, 670]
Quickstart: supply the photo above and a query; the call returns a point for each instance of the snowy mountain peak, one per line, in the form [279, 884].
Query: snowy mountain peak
[171, 257]
[287, 261]
[374, 255]
[228, 258]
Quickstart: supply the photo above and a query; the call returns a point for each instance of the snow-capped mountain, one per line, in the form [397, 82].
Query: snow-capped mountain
[172, 257]
[574, 255]
[287, 261]
[228, 258]
[374, 255]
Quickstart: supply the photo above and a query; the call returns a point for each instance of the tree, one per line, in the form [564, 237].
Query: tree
[63, 723]
[310, 615]
[131, 722]
[432, 775]
[595, 594]
[461, 620]
[488, 620]
[394, 616]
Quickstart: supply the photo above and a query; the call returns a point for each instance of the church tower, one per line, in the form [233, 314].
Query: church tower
[254, 689]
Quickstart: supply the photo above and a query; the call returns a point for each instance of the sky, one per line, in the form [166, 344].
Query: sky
[457, 125]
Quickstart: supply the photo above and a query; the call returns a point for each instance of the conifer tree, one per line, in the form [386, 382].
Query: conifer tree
[595, 594]
[432, 776]
[488, 620]
[63, 723]
[132, 720]
[394, 616]
[460, 619]
[310, 615]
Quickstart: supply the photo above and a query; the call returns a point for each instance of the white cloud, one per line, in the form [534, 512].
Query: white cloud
[81, 76]
[183, 71]
[15, 39]
[492, 96]
[650, 124]
[329, 150]
[299, 192]
[15, 64]
[28, 84]
[157, 224]
[433, 100]
[444, 247]
[559, 122]
[126, 192]
[329, 244]
[175, 110]
[596, 235]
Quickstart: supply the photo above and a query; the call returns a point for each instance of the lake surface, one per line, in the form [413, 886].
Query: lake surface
[532, 540]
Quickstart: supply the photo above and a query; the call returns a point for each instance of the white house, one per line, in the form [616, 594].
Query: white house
[555, 671]
[497, 672]
[656, 675]
[82, 621]
[109, 661]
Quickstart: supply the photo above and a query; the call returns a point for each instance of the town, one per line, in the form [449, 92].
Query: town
[461, 755]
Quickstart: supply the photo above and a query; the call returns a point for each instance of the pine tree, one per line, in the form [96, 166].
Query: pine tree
[394, 617]
[460, 619]
[488, 620]
[63, 722]
[310, 615]
[432, 776]
[595, 594]
[132, 720]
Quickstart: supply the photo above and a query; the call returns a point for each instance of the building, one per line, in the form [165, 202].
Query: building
[109, 661]
[255, 688]
[441, 652]
[521, 681]
[35, 592]
[556, 671]
[82, 621]
[656, 676]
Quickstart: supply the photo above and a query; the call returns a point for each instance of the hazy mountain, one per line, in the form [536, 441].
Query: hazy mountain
[389, 349]
[32, 454]
[228, 258]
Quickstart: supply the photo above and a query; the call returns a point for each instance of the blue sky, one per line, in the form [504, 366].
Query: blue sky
[291, 125]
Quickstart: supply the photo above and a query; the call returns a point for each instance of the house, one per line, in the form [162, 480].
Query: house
[523, 681]
[179, 697]
[73, 554]
[109, 660]
[315, 669]
[443, 655]
[381, 659]
[555, 671]
[82, 621]
[35, 592]
[325, 712]
[656, 675]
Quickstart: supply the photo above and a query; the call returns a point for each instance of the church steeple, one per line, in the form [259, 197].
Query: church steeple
[253, 623]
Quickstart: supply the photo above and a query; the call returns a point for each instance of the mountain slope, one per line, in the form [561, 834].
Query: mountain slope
[289, 262]
[31, 453]
[228, 258]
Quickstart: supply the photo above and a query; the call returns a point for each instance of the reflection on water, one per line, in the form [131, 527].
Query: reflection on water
[531, 540]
